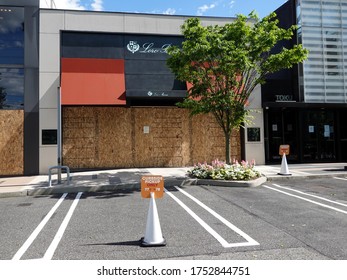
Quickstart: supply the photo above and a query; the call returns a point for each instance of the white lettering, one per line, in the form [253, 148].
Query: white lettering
[284, 97]
[152, 180]
[149, 48]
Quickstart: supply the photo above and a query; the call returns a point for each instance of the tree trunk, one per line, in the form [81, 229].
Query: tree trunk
[227, 147]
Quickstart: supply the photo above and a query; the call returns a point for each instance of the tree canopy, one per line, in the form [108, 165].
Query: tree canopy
[224, 63]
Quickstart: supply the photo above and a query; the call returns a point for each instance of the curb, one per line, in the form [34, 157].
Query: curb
[58, 189]
[183, 181]
[226, 183]
[14, 194]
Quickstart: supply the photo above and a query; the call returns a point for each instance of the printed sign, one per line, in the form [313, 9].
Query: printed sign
[148, 47]
[284, 149]
[152, 183]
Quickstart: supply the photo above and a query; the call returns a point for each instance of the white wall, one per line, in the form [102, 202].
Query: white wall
[255, 150]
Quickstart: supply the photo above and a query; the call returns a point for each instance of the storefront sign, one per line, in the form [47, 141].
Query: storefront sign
[284, 149]
[157, 94]
[283, 98]
[152, 183]
[148, 47]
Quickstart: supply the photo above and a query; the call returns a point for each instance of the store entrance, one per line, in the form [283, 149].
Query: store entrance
[281, 128]
[318, 136]
[314, 135]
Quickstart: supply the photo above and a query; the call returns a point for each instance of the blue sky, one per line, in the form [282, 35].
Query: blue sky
[228, 8]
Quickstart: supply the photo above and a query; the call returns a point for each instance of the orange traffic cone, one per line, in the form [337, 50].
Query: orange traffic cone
[153, 235]
[284, 166]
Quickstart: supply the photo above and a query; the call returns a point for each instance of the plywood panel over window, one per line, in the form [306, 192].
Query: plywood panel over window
[11, 142]
[114, 137]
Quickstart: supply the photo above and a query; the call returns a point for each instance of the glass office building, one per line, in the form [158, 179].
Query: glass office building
[19, 83]
[323, 30]
[306, 107]
[11, 57]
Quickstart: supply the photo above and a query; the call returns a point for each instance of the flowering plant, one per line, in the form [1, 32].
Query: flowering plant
[219, 170]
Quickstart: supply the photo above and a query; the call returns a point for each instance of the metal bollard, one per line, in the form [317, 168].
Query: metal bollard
[58, 167]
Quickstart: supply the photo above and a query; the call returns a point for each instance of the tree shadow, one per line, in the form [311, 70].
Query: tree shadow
[102, 184]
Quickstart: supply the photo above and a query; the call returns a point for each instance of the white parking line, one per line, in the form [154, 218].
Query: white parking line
[221, 240]
[312, 195]
[51, 249]
[344, 179]
[38, 229]
[306, 199]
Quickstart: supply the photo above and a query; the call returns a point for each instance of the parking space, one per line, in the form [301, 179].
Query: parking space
[19, 218]
[305, 220]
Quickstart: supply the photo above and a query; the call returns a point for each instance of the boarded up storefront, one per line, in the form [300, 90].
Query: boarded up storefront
[11, 142]
[117, 137]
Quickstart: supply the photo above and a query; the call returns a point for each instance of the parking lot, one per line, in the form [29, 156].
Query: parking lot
[296, 219]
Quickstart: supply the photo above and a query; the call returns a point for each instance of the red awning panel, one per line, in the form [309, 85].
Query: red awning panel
[90, 81]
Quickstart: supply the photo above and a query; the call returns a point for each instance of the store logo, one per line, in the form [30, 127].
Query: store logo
[157, 94]
[133, 46]
[149, 48]
[283, 97]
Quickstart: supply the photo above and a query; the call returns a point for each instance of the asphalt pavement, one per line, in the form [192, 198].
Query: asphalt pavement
[101, 180]
[296, 216]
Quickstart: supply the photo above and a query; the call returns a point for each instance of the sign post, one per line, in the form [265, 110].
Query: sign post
[283, 151]
[152, 186]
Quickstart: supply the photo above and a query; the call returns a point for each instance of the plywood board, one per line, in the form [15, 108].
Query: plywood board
[116, 137]
[11, 142]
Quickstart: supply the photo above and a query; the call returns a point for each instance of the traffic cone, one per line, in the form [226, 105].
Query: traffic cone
[153, 235]
[284, 166]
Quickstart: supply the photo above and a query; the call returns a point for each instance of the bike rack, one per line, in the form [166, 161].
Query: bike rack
[58, 167]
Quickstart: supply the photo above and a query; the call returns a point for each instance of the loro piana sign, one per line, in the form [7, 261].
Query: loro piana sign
[152, 183]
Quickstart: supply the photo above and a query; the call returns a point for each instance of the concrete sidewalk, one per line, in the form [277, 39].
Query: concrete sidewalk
[104, 180]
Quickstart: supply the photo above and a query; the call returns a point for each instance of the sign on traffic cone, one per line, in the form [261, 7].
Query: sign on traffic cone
[284, 166]
[153, 236]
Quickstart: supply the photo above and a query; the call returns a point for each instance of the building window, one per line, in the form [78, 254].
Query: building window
[49, 137]
[323, 31]
[253, 134]
[11, 57]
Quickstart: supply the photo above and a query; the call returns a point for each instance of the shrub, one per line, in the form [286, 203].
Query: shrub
[219, 170]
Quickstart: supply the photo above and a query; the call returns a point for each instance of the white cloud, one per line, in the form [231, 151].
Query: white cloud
[169, 11]
[203, 9]
[63, 4]
[231, 4]
[97, 5]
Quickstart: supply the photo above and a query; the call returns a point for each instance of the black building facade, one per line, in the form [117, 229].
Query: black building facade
[305, 106]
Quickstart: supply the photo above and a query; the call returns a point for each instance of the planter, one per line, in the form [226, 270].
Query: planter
[227, 183]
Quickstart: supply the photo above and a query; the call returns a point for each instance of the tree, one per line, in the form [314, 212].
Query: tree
[225, 63]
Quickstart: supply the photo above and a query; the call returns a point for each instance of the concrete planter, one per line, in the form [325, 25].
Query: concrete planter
[227, 183]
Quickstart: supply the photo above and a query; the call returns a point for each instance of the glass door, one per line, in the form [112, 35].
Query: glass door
[318, 136]
[343, 135]
[281, 129]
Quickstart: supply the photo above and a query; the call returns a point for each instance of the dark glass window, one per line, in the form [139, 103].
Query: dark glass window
[11, 57]
[49, 137]
[253, 134]
[11, 88]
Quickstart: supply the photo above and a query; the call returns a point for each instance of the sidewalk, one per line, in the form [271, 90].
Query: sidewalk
[107, 180]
